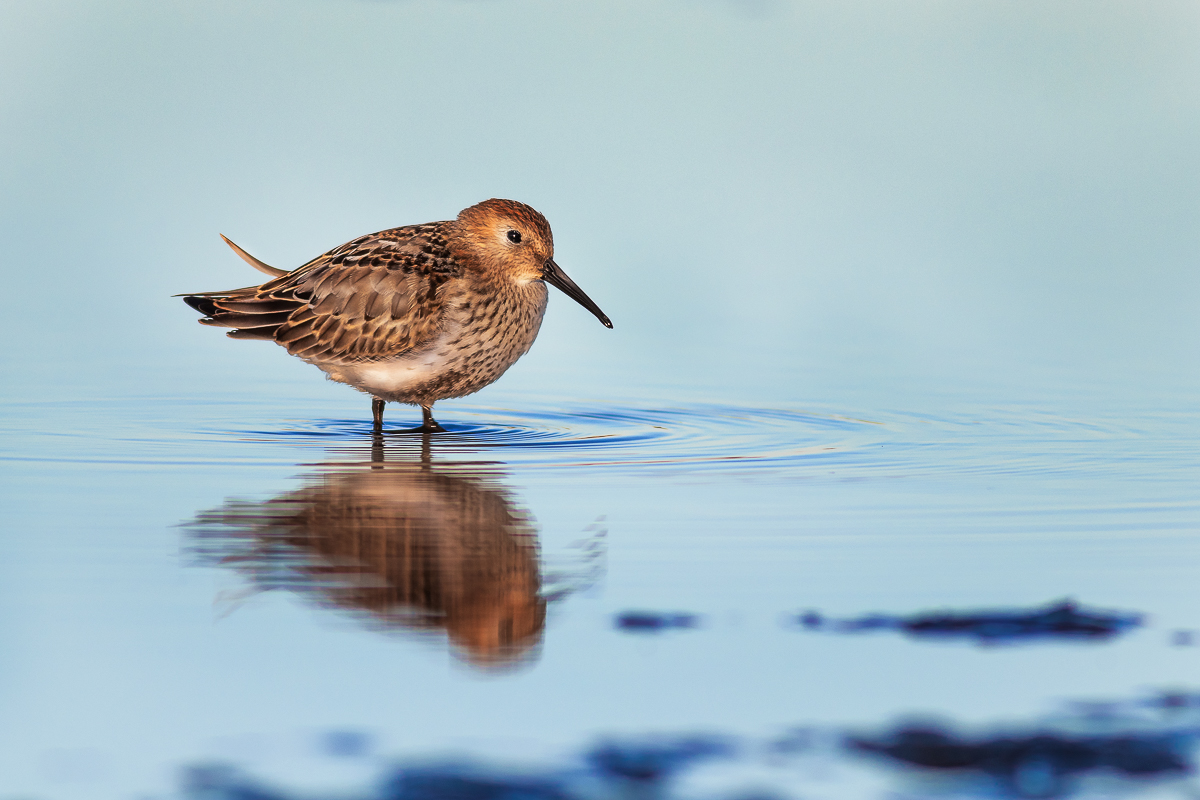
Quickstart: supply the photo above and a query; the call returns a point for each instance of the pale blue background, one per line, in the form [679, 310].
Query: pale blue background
[921, 187]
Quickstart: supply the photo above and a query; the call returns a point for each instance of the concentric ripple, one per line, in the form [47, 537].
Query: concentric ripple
[695, 436]
[837, 444]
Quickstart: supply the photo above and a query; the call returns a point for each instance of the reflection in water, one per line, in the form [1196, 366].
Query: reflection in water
[406, 544]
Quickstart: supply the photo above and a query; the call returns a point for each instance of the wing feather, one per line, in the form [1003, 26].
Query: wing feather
[372, 298]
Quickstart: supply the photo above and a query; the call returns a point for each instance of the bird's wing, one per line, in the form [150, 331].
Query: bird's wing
[372, 298]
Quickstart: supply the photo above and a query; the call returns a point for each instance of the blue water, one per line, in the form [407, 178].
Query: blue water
[904, 304]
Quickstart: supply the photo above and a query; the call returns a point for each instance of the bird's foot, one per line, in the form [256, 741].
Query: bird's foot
[434, 428]
[428, 423]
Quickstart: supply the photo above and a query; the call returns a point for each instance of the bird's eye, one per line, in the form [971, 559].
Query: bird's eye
[514, 237]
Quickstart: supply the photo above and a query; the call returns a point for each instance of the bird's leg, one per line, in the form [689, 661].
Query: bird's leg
[428, 423]
[377, 413]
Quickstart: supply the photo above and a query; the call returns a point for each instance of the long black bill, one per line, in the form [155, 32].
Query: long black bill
[553, 275]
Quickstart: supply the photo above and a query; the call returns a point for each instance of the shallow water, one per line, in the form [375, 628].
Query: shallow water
[904, 303]
[237, 588]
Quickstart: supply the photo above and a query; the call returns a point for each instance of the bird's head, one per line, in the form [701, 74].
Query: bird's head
[511, 241]
[506, 238]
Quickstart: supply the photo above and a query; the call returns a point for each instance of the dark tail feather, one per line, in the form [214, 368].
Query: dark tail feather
[253, 319]
[267, 332]
[205, 305]
[228, 319]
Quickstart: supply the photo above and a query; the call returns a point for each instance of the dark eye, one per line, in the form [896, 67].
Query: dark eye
[514, 237]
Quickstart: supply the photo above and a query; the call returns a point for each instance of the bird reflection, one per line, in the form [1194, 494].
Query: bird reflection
[403, 544]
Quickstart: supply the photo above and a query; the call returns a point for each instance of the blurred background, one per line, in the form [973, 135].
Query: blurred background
[904, 301]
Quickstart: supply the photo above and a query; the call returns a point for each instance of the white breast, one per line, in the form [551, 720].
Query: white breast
[396, 376]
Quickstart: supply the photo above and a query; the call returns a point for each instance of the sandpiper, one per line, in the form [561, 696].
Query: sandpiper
[412, 314]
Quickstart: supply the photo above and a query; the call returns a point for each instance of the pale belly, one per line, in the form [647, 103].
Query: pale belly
[396, 380]
[459, 362]
[400, 376]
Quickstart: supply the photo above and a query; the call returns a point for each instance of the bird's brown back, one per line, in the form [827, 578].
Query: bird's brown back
[373, 298]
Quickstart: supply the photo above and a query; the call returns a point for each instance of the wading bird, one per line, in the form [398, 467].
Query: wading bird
[412, 314]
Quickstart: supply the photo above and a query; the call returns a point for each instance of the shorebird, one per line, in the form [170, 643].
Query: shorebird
[412, 314]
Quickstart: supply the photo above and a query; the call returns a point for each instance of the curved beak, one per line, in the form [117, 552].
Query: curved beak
[553, 275]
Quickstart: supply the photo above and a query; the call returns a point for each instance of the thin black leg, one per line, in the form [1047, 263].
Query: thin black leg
[377, 413]
[429, 424]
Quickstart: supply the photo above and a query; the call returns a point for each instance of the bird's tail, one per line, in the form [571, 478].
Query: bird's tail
[261, 266]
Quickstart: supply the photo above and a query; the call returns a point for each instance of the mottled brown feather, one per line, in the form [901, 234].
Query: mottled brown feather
[372, 298]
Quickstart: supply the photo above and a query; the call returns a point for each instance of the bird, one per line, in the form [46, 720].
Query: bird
[413, 314]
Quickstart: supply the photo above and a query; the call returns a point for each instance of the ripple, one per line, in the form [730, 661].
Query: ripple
[978, 442]
[696, 436]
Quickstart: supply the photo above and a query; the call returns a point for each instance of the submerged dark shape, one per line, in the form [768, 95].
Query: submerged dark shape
[654, 621]
[222, 782]
[464, 783]
[1131, 741]
[1060, 620]
[650, 761]
[619, 768]
[1038, 763]
[403, 545]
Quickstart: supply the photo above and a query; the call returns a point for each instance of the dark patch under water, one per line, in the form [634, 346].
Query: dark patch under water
[1063, 620]
[655, 622]
[1145, 741]
[1036, 763]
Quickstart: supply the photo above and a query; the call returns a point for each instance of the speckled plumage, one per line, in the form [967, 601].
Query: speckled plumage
[412, 314]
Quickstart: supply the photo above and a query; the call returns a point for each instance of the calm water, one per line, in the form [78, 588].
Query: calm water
[245, 586]
[904, 300]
